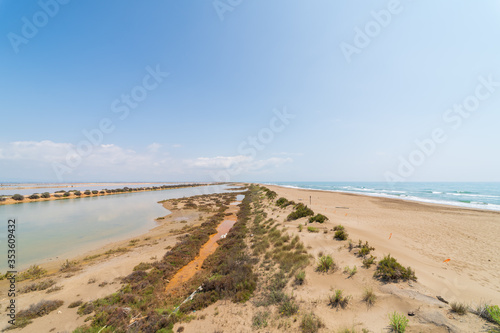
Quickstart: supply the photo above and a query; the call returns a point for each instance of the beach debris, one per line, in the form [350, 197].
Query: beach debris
[390, 235]
[442, 299]
[447, 260]
[411, 313]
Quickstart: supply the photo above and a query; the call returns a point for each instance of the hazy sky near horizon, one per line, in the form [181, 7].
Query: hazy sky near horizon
[258, 90]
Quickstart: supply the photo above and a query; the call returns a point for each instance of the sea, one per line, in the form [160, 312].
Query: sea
[462, 194]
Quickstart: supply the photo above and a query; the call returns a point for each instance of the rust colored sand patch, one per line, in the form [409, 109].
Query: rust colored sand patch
[188, 271]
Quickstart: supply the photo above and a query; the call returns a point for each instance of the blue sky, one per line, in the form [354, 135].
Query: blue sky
[233, 67]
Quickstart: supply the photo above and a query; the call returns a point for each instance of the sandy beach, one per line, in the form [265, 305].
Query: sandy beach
[419, 235]
[423, 236]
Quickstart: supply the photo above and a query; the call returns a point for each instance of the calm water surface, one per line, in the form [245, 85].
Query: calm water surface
[64, 228]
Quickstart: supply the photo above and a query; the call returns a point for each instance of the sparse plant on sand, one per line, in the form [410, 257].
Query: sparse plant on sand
[312, 229]
[310, 323]
[300, 210]
[368, 262]
[300, 277]
[398, 322]
[259, 319]
[459, 308]
[369, 296]
[350, 271]
[338, 299]
[325, 264]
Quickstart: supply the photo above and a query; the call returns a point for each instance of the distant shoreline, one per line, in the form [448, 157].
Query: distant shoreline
[54, 196]
[389, 197]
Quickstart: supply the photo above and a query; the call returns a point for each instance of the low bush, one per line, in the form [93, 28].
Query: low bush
[318, 218]
[369, 296]
[288, 307]
[282, 202]
[18, 197]
[310, 323]
[34, 196]
[69, 266]
[143, 266]
[95, 191]
[350, 271]
[259, 320]
[341, 235]
[39, 309]
[398, 322]
[312, 229]
[78, 193]
[325, 264]
[37, 286]
[338, 299]
[66, 194]
[300, 210]
[459, 308]
[365, 250]
[368, 262]
[34, 272]
[388, 269]
[75, 304]
[300, 277]
[45, 195]
[87, 192]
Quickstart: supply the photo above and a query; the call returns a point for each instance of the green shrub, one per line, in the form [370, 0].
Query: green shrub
[18, 197]
[350, 271]
[34, 196]
[283, 202]
[368, 262]
[312, 229]
[66, 194]
[493, 313]
[338, 227]
[300, 227]
[288, 307]
[300, 210]
[259, 319]
[45, 195]
[143, 266]
[95, 191]
[459, 308]
[310, 323]
[388, 269]
[398, 322]
[34, 272]
[300, 277]
[77, 193]
[87, 192]
[338, 299]
[365, 250]
[75, 304]
[341, 235]
[325, 264]
[318, 218]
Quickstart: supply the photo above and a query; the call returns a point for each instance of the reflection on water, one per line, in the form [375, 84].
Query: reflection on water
[64, 227]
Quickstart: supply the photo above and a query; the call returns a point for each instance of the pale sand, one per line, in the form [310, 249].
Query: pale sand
[151, 246]
[423, 236]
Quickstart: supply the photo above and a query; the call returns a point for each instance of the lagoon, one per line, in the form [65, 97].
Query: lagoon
[64, 228]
